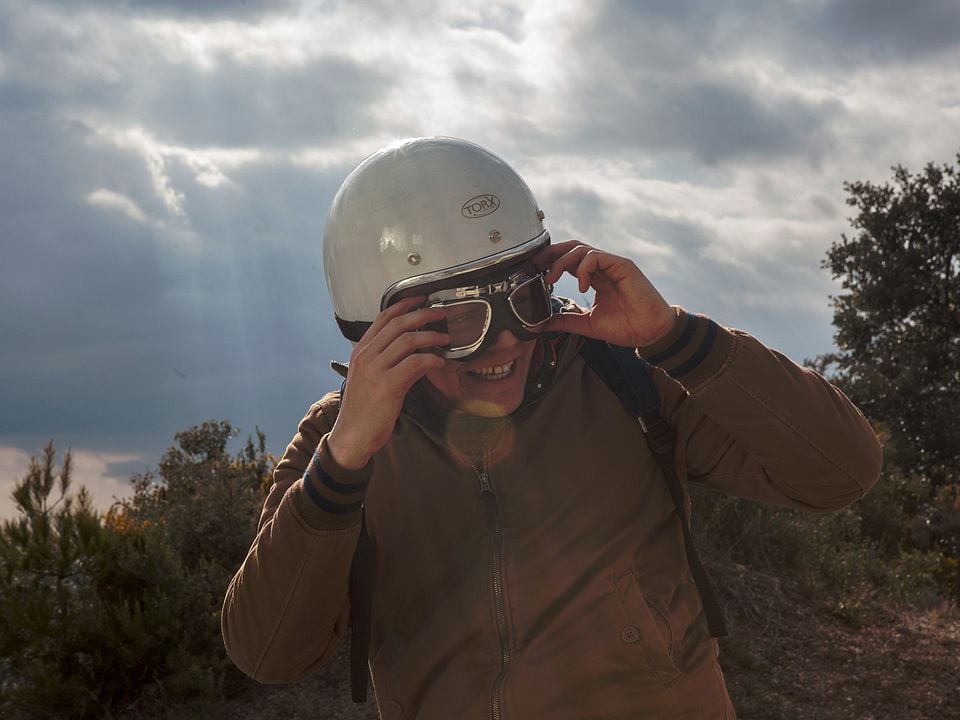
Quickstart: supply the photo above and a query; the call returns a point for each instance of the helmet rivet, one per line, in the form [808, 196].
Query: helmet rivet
[495, 236]
[413, 259]
[540, 215]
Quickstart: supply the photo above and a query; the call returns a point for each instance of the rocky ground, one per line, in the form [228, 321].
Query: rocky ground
[900, 666]
[785, 661]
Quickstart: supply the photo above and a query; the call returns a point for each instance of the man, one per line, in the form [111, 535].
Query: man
[528, 559]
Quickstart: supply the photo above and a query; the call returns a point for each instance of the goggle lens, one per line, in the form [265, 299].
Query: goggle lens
[467, 321]
[531, 301]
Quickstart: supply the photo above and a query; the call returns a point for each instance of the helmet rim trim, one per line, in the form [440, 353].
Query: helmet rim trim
[480, 264]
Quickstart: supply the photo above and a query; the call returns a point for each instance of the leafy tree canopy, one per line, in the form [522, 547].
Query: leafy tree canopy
[898, 319]
[204, 500]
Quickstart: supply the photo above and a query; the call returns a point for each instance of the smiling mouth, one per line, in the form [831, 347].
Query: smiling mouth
[494, 372]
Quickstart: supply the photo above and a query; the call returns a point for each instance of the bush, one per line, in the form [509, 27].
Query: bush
[85, 612]
[105, 613]
[872, 552]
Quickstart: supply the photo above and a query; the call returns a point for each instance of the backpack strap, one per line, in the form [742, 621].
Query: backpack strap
[361, 584]
[629, 377]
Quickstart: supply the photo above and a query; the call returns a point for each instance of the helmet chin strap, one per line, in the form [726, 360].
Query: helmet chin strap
[352, 330]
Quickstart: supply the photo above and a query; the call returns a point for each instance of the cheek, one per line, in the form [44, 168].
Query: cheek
[445, 379]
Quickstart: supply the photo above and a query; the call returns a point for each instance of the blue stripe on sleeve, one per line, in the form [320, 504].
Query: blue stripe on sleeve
[338, 487]
[689, 329]
[701, 353]
[328, 505]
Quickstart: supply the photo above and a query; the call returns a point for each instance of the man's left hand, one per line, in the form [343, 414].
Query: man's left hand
[627, 309]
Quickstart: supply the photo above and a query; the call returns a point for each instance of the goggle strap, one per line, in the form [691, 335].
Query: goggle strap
[352, 330]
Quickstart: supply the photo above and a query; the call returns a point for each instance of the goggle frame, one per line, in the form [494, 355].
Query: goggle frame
[487, 295]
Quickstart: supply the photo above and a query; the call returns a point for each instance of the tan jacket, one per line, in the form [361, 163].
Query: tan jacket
[546, 577]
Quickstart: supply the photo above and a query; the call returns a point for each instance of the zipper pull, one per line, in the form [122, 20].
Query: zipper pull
[488, 501]
[485, 487]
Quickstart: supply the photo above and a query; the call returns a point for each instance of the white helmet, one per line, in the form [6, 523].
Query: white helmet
[420, 211]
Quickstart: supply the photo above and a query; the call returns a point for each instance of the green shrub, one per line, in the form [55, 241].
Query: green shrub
[871, 552]
[86, 613]
[105, 613]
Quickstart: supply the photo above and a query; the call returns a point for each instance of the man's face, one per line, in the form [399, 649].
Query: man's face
[490, 385]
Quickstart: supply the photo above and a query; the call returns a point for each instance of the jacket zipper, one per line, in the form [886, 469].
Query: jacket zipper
[489, 500]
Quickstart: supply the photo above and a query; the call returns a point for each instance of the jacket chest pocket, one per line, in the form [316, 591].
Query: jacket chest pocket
[656, 624]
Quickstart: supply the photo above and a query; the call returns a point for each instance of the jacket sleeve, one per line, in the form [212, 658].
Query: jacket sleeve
[286, 609]
[753, 424]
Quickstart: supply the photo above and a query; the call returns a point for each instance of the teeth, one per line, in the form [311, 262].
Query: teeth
[495, 372]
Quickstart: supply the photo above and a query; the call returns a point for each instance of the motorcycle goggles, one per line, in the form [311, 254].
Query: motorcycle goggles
[476, 314]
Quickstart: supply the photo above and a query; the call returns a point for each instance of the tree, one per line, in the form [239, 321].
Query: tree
[101, 612]
[87, 615]
[203, 504]
[898, 321]
[204, 500]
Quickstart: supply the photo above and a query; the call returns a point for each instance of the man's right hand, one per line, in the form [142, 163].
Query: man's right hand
[384, 365]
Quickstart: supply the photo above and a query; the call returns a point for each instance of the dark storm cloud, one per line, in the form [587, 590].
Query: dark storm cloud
[587, 211]
[658, 35]
[79, 286]
[685, 237]
[714, 120]
[227, 103]
[677, 35]
[118, 330]
[256, 333]
[583, 205]
[655, 84]
[123, 332]
[241, 105]
[877, 30]
[675, 77]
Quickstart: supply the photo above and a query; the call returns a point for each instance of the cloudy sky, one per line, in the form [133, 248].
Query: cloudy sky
[165, 169]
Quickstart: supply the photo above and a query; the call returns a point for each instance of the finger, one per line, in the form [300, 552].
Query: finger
[413, 367]
[567, 262]
[560, 265]
[573, 323]
[587, 267]
[406, 322]
[545, 256]
[412, 342]
[375, 375]
[404, 305]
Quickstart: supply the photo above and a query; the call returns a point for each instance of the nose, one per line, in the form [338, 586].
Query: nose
[505, 340]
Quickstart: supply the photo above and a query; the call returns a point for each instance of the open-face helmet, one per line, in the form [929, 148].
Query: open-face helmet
[419, 214]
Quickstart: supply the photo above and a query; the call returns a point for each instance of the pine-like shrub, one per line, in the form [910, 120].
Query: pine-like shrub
[102, 614]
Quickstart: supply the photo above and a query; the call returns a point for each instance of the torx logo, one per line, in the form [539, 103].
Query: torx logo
[479, 206]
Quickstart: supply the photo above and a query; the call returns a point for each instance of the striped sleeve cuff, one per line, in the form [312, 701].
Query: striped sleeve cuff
[329, 496]
[693, 351]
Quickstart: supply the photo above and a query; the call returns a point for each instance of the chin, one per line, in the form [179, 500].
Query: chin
[490, 409]
[469, 388]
